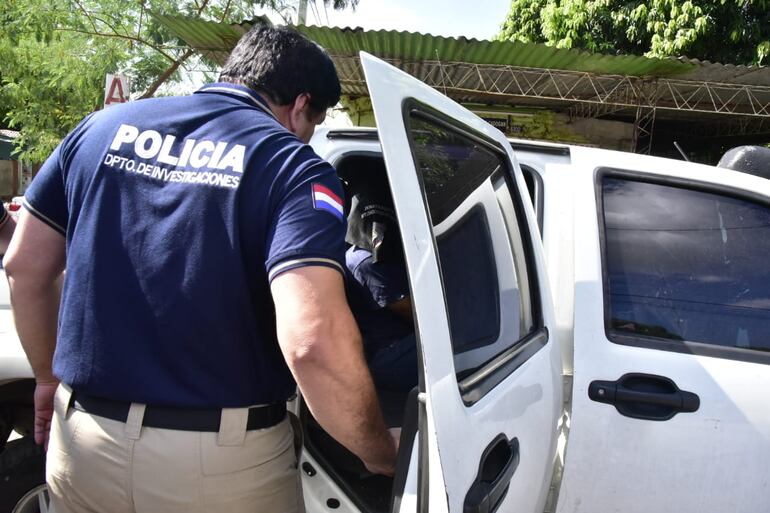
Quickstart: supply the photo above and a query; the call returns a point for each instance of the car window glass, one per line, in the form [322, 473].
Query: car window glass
[686, 265]
[485, 282]
[472, 292]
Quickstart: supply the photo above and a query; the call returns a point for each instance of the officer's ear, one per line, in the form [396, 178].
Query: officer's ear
[303, 118]
[301, 106]
[290, 115]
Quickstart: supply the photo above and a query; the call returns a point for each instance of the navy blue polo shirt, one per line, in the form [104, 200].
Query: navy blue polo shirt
[371, 287]
[177, 213]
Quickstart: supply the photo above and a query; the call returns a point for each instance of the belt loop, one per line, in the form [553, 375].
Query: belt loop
[232, 426]
[134, 421]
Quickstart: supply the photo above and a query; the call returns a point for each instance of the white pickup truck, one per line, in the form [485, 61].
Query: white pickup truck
[593, 327]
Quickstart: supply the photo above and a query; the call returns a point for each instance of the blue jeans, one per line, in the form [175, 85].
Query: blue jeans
[394, 367]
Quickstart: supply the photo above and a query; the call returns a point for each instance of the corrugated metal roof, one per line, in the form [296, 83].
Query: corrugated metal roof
[214, 40]
[217, 39]
[515, 73]
[425, 47]
[705, 71]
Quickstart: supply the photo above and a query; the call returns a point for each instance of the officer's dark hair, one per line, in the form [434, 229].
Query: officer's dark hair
[282, 63]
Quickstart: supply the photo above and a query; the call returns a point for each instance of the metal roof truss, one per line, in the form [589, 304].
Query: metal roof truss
[587, 94]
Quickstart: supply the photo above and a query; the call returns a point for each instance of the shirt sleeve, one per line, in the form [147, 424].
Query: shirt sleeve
[45, 198]
[308, 226]
[3, 215]
[386, 282]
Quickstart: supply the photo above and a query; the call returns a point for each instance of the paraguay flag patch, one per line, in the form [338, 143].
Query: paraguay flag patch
[325, 199]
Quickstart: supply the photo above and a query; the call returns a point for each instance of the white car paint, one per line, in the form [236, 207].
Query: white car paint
[13, 361]
[714, 459]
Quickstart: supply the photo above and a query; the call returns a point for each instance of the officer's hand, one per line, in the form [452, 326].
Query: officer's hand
[395, 434]
[387, 467]
[44, 393]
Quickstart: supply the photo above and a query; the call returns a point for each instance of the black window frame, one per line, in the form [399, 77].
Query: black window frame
[486, 377]
[649, 341]
[537, 194]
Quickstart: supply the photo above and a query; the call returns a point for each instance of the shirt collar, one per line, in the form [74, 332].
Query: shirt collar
[237, 91]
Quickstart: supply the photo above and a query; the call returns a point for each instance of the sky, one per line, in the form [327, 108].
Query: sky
[480, 19]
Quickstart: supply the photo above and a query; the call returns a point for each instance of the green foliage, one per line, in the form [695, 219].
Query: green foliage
[49, 80]
[544, 126]
[359, 110]
[728, 31]
[54, 55]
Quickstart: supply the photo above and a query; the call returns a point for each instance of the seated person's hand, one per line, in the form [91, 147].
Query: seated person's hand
[387, 465]
[403, 308]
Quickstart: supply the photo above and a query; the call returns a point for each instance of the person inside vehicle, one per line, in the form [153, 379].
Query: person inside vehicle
[378, 289]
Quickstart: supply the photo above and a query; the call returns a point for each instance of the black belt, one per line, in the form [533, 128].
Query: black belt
[260, 417]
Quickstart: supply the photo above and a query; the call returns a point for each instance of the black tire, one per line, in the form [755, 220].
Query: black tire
[22, 469]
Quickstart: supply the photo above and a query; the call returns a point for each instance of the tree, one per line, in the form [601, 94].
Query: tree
[727, 31]
[47, 84]
[54, 55]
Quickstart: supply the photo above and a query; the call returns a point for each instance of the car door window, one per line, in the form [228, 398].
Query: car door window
[477, 225]
[685, 265]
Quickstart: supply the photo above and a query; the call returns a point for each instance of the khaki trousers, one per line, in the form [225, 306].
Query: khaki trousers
[101, 465]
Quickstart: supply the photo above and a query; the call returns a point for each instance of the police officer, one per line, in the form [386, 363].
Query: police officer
[204, 248]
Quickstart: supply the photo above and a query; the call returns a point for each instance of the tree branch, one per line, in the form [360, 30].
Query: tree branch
[177, 62]
[88, 15]
[91, 17]
[224, 13]
[141, 19]
[120, 36]
[203, 5]
[166, 74]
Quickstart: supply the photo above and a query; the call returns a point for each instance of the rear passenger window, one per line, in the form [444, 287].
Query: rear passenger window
[686, 265]
[480, 240]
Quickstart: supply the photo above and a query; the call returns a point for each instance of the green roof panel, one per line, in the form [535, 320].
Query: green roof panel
[217, 39]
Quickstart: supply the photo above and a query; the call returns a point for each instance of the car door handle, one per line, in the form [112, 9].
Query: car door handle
[644, 396]
[496, 468]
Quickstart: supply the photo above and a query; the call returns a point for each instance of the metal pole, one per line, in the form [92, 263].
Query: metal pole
[681, 151]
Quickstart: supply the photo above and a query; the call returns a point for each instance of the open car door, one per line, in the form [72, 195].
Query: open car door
[490, 391]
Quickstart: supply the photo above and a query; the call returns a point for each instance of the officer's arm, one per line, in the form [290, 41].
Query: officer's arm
[322, 346]
[34, 265]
